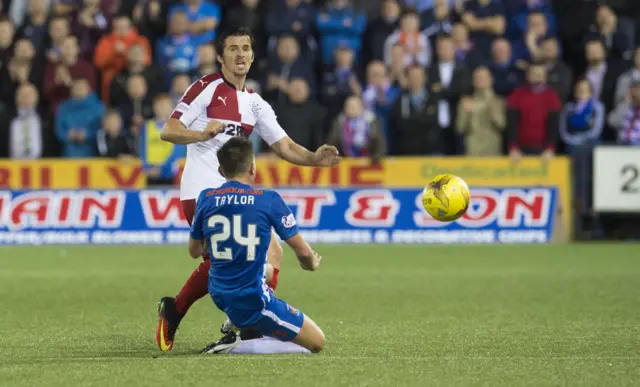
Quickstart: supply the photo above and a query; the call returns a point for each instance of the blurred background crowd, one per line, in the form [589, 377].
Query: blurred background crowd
[98, 78]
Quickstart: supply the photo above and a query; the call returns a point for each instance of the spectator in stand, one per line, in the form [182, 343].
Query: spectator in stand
[7, 33]
[25, 131]
[379, 94]
[206, 61]
[112, 142]
[136, 65]
[340, 83]
[417, 49]
[177, 52]
[357, 133]
[151, 17]
[204, 17]
[340, 25]
[398, 69]
[580, 129]
[625, 119]
[58, 30]
[486, 21]
[519, 11]
[179, 86]
[450, 80]
[159, 158]
[560, 77]
[423, 5]
[437, 21]
[21, 69]
[379, 30]
[465, 49]
[533, 117]
[246, 14]
[303, 117]
[414, 119]
[482, 117]
[139, 105]
[291, 17]
[601, 74]
[617, 43]
[527, 48]
[36, 25]
[89, 24]
[111, 52]
[288, 64]
[626, 79]
[78, 120]
[60, 74]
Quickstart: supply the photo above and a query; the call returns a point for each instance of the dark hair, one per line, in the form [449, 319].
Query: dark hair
[59, 17]
[443, 36]
[587, 81]
[410, 11]
[235, 157]
[5, 19]
[220, 42]
[112, 112]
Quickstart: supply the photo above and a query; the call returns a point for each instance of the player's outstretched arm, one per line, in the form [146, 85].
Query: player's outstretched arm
[175, 132]
[309, 259]
[325, 156]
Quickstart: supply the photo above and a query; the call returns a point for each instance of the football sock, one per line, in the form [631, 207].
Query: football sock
[250, 334]
[268, 345]
[196, 287]
[274, 279]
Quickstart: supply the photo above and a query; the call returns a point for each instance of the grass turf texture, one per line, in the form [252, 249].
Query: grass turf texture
[393, 316]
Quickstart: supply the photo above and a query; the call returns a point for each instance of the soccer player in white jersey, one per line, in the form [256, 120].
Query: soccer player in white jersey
[213, 110]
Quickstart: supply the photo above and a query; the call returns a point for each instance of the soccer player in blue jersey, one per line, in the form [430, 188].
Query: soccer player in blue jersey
[233, 223]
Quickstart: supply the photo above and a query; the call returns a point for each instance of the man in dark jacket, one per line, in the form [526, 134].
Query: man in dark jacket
[303, 117]
[507, 77]
[451, 80]
[414, 119]
[533, 117]
[288, 64]
[559, 75]
[379, 30]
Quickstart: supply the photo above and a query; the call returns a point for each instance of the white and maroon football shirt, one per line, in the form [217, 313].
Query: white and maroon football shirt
[242, 111]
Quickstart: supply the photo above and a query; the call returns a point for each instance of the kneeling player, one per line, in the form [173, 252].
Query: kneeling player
[234, 221]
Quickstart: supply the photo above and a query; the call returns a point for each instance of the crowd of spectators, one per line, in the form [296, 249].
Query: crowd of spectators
[88, 78]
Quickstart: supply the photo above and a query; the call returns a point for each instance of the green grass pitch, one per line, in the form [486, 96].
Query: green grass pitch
[394, 316]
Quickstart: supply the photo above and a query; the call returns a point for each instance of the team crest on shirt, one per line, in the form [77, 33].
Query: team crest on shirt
[288, 221]
[292, 310]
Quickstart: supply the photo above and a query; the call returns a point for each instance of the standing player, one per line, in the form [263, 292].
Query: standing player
[234, 221]
[213, 110]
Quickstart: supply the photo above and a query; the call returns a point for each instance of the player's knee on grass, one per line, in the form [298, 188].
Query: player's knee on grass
[275, 252]
[311, 336]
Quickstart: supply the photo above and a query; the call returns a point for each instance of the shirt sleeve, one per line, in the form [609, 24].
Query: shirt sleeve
[267, 125]
[194, 102]
[282, 219]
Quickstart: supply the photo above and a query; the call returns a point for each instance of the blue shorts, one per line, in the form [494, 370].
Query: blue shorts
[276, 318]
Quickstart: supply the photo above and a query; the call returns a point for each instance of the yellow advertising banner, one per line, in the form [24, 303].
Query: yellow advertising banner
[71, 174]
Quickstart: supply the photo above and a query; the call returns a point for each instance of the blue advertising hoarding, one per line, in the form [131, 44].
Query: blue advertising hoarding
[496, 215]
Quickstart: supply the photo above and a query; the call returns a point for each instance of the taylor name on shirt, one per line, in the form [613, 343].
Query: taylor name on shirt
[234, 199]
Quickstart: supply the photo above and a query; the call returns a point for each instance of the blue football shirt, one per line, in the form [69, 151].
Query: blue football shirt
[235, 220]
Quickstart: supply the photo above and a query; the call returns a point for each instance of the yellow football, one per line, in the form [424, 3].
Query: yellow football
[446, 198]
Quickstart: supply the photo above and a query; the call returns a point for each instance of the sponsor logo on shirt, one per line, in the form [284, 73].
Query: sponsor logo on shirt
[288, 221]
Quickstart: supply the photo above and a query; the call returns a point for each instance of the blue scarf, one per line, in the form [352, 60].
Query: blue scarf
[580, 118]
[355, 136]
